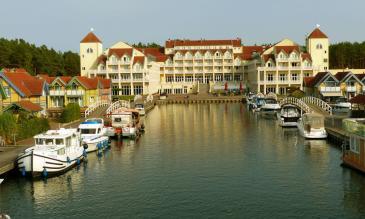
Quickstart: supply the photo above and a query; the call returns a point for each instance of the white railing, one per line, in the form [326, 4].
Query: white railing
[56, 92]
[297, 102]
[318, 102]
[95, 106]
[75, 92]
[351, 89]
[117, 105]
[330, 89]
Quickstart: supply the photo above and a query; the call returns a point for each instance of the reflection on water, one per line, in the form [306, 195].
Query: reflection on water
[206, 160]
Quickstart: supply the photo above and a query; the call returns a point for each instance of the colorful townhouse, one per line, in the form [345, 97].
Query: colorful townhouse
[23, 91]
[350, 84]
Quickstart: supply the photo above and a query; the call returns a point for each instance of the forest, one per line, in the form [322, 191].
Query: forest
[347, 55]
[18, 53]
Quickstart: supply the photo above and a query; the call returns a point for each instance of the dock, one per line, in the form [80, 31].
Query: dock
[201, 99]
[8, 155]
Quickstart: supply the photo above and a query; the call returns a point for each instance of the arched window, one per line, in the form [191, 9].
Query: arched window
[319, 46]
[89, 50]
[269, 64]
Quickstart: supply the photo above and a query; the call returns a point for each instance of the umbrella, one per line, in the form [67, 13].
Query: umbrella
[226, 86]
[241, 88]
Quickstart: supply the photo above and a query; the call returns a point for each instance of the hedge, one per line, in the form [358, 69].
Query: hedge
[71, 113]
[30, 127]
[8, 126]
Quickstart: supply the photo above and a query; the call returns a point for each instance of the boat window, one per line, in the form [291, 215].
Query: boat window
[354, 144]
[49, 141]
[88, 131]
[68, 141]
[124, 119]
[61, 151]
[39, 141]
[99, 130]
[59, 141]
[117, 119]
[270, 101]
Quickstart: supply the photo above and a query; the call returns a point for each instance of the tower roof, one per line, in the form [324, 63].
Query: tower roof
[90, 38]
[317, 33]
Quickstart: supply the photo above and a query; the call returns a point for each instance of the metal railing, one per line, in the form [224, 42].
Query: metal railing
[117, 105]
[297, 102]
[95, 106]
[318, 102]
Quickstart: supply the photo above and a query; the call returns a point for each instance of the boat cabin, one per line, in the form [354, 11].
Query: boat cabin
[58, 140]
[353, 153]
[312, 121]
[125, 118]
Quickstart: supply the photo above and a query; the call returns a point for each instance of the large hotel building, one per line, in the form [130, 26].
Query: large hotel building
[191, 66]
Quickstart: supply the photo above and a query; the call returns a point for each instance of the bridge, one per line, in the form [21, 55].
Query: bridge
[309, 105]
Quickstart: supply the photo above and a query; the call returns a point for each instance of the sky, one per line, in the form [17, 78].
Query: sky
[62, 24]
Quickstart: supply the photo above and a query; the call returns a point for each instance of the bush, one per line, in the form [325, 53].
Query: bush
[127, 98]
[32, 126]
[8, 126]
[70, 113]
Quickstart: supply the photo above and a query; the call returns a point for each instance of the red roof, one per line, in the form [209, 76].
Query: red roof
[312, 82]
[342, 75]
[139, 59]
[359, 99]
[317, 33]
[266, 57]
[173, 43]
[102, 59]
[25, 83]
[360, 76]
[286, 49]
[121, 52]
[155, 52]
[306, 56]
[308, 81]
[46, 77]
[92, 83]
[90, 38]
[28, 106]
[106, 83]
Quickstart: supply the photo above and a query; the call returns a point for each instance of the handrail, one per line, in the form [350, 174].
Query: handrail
[117, 105]
[318, 102]
[95, 106]
[297, 102]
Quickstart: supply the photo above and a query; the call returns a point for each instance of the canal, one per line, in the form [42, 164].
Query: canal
[206, 160]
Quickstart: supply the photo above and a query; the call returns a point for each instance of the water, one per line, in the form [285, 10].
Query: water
[199, 161]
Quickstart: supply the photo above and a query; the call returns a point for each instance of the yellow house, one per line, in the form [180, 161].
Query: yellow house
[57, 91]
[20, 87]
[350, 84]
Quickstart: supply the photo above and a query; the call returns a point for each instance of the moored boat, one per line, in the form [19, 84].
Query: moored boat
[127, 123]
[311, 126]
[342, 105]
[93, 134]
[140, 108]
[288, 116]
[270, 106]
[55, 152]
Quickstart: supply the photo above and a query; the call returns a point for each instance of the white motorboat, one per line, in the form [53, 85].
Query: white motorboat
[342, 105]
[288, 116]
[140, 108]
[127, 123]
[93, 134]
[55, 152]
[311, 126]
[270, 106]
[257, 103]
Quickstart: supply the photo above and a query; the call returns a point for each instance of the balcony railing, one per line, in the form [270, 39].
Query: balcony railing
[330, 89]
[75, 92]
[115, 80]
[56, 92]
[351, 89]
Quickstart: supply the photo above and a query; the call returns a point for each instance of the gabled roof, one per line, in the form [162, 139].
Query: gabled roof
[25, 105]
[306, 56]
[156, 53]
[63, 79]
[139, 59]
[102, 59]
[361, 77]
[319, 78]
[173, 43]
[46, 77]
[342, 75]
[90, 38]
[92, 83]
[308, 81]
[286, 49]
[105, 83]
[120, 52]
[317, 33]
[248, 51]
[23, 83]
[267, 57]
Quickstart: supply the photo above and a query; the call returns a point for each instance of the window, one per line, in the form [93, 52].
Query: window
[61, 151]
[270, 77]
[237, 77]
[178, 91]
[270, 90]
[170, 78]
[92, 99]
[126, 90]
[89, 50]
[319, 46]
[7, 91]
[188, 78]
[115, 90]
[59, 141]
[282, 77]
[294, 76]
[179, 78]
[354, 144]
[325, 60]
[282, 90]
[83, 68]
[138, 89]
[269, 64]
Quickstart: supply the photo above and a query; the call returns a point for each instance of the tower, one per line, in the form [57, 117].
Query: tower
[91, 48]
[318, 47]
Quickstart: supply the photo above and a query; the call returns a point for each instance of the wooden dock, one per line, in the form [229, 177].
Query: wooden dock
[200, 100]
[8, 155]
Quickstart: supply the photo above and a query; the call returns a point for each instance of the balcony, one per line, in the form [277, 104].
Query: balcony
[350, 89]
[137, 79]
[198, 64]
[75, 92]
[188, 64]
[115, 80]
[112, 62]
[125, 62]
[169, 72]
[330, 91]
[56, 92]
[198, 57]
[125, 80]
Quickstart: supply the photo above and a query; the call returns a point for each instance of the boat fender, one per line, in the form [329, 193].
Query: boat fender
[78, 161]
[99, 146]
[68, 160]
[109, 141]
[85, 146]
[105, 143]
[84, 153]
[44, 173]
[23, 171]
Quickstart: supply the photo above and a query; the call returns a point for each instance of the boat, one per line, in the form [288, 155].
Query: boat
[270, 106]
[1, 180]
[55, 152]
[288, 116]
[140, 108]
[342, 105]
[311, 126]
[249, 98]
[127, 123]
[257, 102]
[93, 134]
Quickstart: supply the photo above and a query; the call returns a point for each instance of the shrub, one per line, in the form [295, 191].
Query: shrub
[32, 126]
[70, 113]
[8, 126]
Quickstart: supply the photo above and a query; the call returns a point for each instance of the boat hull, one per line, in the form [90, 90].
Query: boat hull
[94, 144]
[317, 134]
